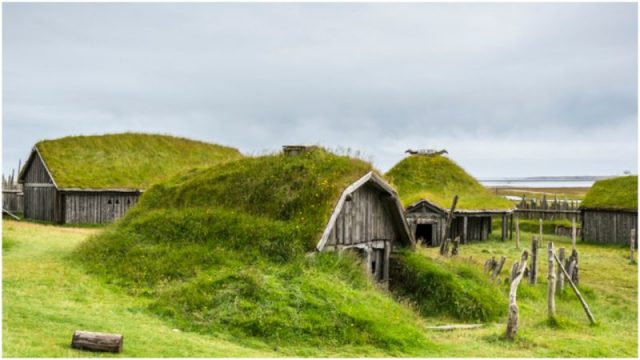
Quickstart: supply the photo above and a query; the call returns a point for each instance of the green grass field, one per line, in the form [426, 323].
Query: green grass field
[47, 295]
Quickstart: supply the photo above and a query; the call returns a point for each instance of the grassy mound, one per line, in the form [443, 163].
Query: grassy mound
[613, 194]
[438, 179]
[128, 160]
[454, 289]
[222, 249]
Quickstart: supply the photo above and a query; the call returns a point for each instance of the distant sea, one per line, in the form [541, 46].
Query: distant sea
[543, 181]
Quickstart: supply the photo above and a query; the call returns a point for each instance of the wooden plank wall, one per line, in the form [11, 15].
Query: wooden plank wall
[97, 207]
[36, 173]
[608, 227]
[12, 200]
[365, 218]
[477, 227]
[39, 203]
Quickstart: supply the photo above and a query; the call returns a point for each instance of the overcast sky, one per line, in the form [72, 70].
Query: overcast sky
[508, 90]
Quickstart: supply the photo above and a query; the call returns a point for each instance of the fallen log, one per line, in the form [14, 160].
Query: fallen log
[95, 341]
[454, 327]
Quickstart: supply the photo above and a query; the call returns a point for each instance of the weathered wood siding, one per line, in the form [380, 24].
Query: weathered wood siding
[610, 227]
[478, 228]
[12, 200]
[40, 203]
[363, 219]
[96, 207]
[425, 215]
[37, 173]
[39, 194]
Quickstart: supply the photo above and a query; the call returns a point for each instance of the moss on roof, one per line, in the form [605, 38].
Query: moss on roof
[619, 193]
[127, 160]
[437, 179]
[222, 250]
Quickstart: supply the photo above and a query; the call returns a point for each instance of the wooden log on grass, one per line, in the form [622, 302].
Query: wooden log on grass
[551, 283]
[447, 227]
[576, 291]
[512, 321]
[533, 269]
[95, 341]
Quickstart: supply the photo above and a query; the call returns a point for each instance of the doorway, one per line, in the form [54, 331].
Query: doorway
[424, 234]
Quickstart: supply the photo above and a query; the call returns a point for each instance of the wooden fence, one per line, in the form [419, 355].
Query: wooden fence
[548, 209]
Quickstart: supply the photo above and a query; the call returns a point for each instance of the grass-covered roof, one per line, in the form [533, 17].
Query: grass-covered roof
[619, 193]
[127, 160]
[437, 179]
[223, 250]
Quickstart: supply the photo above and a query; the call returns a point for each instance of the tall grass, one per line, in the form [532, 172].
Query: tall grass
[454, 288]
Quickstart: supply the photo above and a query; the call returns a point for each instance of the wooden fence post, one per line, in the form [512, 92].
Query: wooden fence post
[551, 279]
[447, 228]
[632, 242]
[540, 231]
[575, 275]
[517, 233]
[577, 292]
[560, 278]
[512, 321]
[573, 233]
[454, 249]
[533, 271]
[498, 268]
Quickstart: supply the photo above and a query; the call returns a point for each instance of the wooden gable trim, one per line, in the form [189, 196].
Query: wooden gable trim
[369, 177]
[36, 152]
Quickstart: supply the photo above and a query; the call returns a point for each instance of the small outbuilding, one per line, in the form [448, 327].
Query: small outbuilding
[96, 179]
[610, 211]
[368, 218]
[427, 184]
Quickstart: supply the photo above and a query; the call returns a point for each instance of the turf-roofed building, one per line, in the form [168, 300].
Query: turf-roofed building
[96, 179]
[610, 211]
[427, 184]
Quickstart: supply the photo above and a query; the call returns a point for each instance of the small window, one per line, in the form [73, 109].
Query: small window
[128, 201]
[373, 267]
[117, 201]
[109, 201]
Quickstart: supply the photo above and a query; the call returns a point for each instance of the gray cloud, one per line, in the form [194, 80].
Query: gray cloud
[509, 90]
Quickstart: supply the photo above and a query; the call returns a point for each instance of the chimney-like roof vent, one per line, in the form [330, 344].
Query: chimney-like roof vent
[293, 150]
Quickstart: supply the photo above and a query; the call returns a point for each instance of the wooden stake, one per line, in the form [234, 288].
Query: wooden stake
[512, 321]
[517, 233]
[447, 228]
[541, 231]
[577, 292]
[533, 271]
[551, 281]
[560, 277]
[632, 242]
[454, 249]
[498, 268]
[573, 233]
